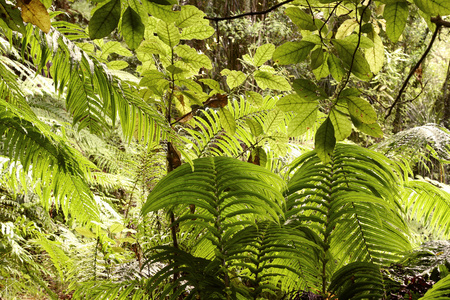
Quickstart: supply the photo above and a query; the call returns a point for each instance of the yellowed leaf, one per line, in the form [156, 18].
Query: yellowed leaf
[34, 12]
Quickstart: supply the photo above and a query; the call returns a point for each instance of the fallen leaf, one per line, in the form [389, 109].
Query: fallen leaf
[34, 12]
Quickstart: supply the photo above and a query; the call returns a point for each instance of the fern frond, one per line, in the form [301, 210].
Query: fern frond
[351, 203]
[358, 280]
[56, 166]
[428, 204]
[439, 291]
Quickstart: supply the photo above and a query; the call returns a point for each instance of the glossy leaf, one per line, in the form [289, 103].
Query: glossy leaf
[267, 80]
[263, 54]
[132, 28]
[325, 141]
[292, 52]
[396, 15]
[104, 20]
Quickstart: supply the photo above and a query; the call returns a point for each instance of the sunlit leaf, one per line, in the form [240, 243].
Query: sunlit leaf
[361, 110]
[341, 124]
[292, 52]
[347, 27]
[168, 33]
[190, 16]
[263, 54]
[303, 120]
[434, 7]
[335, 67]
[267, 80]
[234, 78]
[293, 102]
[34, 12]
[11, 16]
[355, 59]
[396, 15]
[375, 55]
[227, 120]
[197, 32]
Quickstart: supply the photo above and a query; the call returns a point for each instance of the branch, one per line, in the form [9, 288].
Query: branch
[439, 22]
[256, 13]
[413, 70]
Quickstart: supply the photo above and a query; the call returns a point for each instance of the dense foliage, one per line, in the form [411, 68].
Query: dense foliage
[155, 149]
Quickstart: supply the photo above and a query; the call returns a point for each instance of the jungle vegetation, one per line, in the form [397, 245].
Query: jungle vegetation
[216, 149]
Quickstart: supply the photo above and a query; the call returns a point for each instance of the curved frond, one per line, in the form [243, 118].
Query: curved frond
[56, 167]
[439, 291]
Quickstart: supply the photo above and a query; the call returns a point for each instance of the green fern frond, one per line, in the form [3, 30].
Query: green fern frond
[358, 280]
[56, 167]
[59, 259]
[351, 203]
[439, 291]
[428, 204]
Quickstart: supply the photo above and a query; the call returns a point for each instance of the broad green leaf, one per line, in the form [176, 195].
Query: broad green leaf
[300, 18]
[197, 32]
[325, 141]
[151, 46]
[375, 55]
[347, 27]
[189, 84]
[114, 47]
[162, 2]
[359, 64]
[189, 16]
[254, 98]
[361, 110]
[278, 142]
[292, 52]
[116, 228]
[434, 7]
[427, 19]
[234, 78]
[303, 120]
[227, 121]
[168, 33]
[317, 58]
[263, 54]
[273, 120]
[189, 55]
[34, 12]
[152, 77]
[396, 15]
[293, 102]
[364, 42]
[132, 28]
[11, 16]
[373, 129]
[335, 67]
[162, 12]
[117, 64]
[255, 127]
[307, 89]
[312, 38]
[104, 20]
[322, 70]
[85, 232]
[267, 80]
[341, 124]
[214, 85]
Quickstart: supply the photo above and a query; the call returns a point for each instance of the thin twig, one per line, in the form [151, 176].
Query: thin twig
[354, 53]
[413, 70]
[254, 13]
